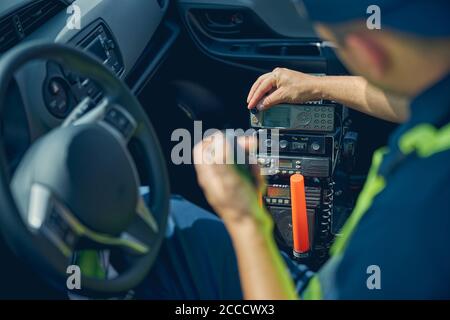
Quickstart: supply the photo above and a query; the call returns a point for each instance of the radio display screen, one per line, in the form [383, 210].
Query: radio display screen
[277, 117]
[310, 117]
[97, 49]
[286, 164]
[276, 192]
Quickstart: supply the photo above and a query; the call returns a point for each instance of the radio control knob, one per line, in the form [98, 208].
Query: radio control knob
[315, 146]
[284, 144]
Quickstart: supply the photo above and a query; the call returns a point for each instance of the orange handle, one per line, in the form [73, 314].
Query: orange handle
[299, 215]
[260, 199]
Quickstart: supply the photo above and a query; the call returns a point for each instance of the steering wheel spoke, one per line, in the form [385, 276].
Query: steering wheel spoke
[49, 217]
[82, 232]
[43, 219]
[142, 231]
[106, 113]
[146, 215]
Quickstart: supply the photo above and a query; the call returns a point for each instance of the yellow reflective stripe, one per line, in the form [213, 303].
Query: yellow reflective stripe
[90, 265]
[373, 186]
[425, 140]
[314, 290]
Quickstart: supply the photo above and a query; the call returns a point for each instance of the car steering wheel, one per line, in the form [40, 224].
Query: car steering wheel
[77, 187]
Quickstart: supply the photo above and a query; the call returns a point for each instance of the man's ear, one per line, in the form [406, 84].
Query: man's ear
[367, 54]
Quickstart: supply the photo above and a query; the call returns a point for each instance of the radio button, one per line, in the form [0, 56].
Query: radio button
[261, 161]
[284, 144]
[315, 146]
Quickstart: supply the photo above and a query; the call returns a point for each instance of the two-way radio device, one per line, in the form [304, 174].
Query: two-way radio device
[299, 172]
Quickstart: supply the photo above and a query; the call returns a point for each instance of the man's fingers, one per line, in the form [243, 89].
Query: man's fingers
[256, 85]
[248, 143]
[268, 84]
[272, 99]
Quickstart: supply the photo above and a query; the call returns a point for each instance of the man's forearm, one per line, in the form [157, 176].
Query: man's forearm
[357, 93]
[263, 272]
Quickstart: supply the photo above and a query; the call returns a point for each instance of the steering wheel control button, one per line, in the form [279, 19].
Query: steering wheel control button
[56, 97]
[121, 121]
[55, 88]
[59, 232]
[79, 111]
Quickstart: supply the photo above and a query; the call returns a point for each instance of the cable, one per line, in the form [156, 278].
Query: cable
[341, 137]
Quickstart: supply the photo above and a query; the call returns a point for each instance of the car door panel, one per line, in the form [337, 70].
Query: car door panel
[285, 22]
[247, 33]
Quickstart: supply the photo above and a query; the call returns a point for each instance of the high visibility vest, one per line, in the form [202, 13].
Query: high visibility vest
[425, 141]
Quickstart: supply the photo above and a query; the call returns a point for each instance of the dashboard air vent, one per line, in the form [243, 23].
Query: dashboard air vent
[8, 34]
[26, 20]
[35, 15]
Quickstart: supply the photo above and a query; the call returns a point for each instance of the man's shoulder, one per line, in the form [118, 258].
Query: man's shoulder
[405, 233]
[419, 179]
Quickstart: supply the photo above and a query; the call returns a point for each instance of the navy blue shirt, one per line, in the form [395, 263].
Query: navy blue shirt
[406, 231]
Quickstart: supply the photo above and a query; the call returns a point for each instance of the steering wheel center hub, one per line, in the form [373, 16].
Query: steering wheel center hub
[87, 168]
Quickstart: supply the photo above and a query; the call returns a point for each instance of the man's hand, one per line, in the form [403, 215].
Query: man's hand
[262, 270]
[233, 197]
[283, 86]
[287, 86]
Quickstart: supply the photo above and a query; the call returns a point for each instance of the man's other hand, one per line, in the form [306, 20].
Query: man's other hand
[233, 198]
